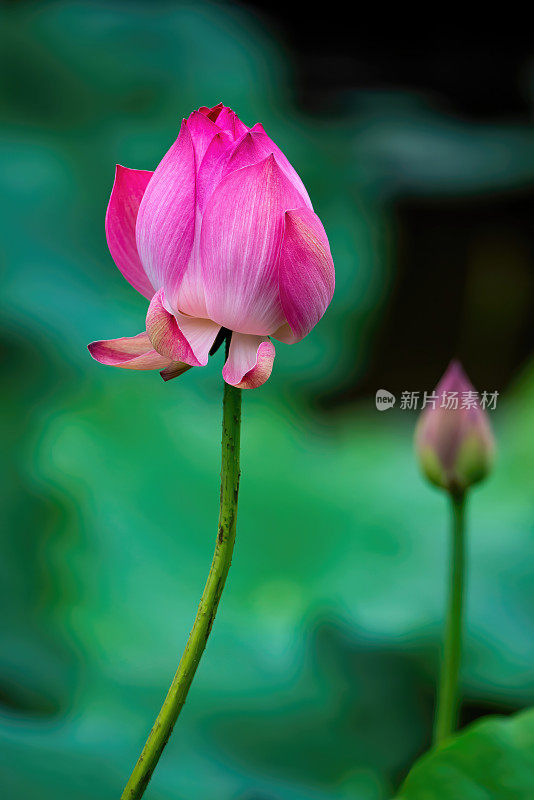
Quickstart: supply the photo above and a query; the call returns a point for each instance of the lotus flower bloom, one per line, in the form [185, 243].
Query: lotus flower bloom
[455, 445]
[222, 240]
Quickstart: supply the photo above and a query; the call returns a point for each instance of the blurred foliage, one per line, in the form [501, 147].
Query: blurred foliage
[494, 758]
[318, 680]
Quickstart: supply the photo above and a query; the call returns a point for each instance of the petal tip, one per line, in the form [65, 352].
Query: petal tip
[174, 370]
[129, 186]
[306, 271]
[129, 352]
[249, 364]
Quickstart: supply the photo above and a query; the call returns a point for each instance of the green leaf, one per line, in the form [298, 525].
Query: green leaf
[490, 760]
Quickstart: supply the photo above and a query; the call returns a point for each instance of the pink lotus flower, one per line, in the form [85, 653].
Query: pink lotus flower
[455, 445]
[221, 238]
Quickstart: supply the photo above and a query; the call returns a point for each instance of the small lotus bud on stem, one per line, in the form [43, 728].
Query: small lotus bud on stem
[454, 442]
[455, 447]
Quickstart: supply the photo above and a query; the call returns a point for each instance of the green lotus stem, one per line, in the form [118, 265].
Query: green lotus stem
[160, 733]
[447, 704]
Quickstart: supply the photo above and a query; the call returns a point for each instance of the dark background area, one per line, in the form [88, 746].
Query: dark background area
[477, 69]
[464, 265]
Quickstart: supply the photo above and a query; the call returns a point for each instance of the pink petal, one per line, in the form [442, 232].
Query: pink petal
[130, 352]
[191, 297]
[213, 167]
[121, 216]
[166, 219]
[202, 130]
[222, 158]
[174, 369]
[285, 334]
[270, 147]
[240, 239]
[250, 361]
[200, 333]
[178, 337]
[306, 271]
[229, 121]
[213, 112]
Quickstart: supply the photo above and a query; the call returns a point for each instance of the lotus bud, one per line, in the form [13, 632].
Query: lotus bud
[222, 236]
[453, 438]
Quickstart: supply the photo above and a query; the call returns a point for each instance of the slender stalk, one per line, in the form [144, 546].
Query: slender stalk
[160, 733]
[447, 705]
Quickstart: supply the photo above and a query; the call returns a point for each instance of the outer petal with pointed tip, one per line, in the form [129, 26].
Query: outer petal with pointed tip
[240, 241]
[306, 271]
[212, 112]
[283, 161]
[121, 216]
[130, 352]
[177, 336]
[166, 220]
[202, 130]
[174, 369]
[229, 121]
[191, 296]
[213, 167]
[222, 158]
[250, 361]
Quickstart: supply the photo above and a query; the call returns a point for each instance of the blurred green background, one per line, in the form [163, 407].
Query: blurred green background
[318, 681]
